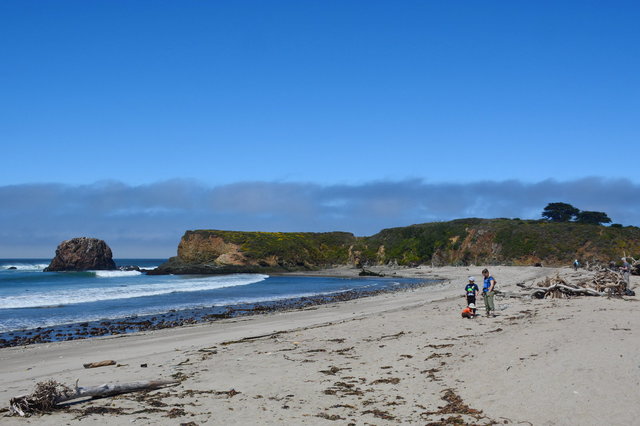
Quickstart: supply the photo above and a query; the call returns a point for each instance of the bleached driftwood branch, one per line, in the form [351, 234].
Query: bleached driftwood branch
[51, 393]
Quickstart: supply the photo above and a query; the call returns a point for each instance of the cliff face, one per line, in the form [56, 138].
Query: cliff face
[214, 251]
[459, 242]
[505, 241]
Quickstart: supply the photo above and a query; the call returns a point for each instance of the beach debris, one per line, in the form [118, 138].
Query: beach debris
[176, 412]
[610, 281]
[333, 370]
[42, 400]
[332, 417]
[99, 364]
[391, 380]
[343, 388]
[249, 339]
[455, 405]
[392, 336]
[90, 411]
[431, 374]
[379, 414]
[47, 395]
[439, 346]
[604, 283]
[344, 351]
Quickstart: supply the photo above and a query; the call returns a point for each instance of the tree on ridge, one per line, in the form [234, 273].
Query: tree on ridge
[560, 212]
[592, 218]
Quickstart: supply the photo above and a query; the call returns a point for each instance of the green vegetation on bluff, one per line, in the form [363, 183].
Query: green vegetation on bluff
[458, 242]
[289, 247]
[505, 241]
[418, 244]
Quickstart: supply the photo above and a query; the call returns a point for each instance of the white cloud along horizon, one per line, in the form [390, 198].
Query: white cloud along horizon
[147, 221]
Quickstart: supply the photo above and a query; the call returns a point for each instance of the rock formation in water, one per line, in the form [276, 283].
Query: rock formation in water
[82, 254]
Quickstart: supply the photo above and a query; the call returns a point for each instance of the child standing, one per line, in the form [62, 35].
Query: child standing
[471, 291]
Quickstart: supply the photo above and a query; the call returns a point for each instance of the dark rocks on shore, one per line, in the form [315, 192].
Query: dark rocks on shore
[82, 254]
[130, 268]
[368, 273]
[176, 266]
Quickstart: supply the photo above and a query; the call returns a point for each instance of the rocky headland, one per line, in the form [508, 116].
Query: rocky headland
[82, 254]
[227, 252]
[460, 242]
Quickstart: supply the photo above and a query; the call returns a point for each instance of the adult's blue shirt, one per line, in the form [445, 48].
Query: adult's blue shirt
[487, 284]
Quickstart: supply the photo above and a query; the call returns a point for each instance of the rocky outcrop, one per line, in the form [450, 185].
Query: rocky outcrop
[226, 252]
[82, 254]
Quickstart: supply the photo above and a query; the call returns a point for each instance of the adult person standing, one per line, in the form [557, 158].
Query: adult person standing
[626, 271]
[488, 292]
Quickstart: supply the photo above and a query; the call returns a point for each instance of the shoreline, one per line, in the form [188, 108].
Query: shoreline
[182, 317]
[393, 358]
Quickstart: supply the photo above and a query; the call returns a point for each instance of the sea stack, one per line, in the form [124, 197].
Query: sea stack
[82, 254]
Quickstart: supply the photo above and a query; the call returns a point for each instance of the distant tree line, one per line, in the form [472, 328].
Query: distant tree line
[563, 212]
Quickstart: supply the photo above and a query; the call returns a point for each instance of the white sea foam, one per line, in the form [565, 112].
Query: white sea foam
[62, 297]
[22, 324]
[114, 274]
[24, 266]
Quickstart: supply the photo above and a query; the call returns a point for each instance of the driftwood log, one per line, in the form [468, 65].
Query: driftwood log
[51, 393]
[99, 364]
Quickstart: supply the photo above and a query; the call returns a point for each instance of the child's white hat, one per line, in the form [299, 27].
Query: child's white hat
[472, 279]
[472, 305]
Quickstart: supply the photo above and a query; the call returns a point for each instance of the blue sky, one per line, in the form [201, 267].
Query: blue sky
[309, 116]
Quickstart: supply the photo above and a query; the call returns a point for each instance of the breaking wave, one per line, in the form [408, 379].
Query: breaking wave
[69, 296]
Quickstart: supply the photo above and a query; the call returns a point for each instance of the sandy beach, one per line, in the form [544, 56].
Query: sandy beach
[397, 358]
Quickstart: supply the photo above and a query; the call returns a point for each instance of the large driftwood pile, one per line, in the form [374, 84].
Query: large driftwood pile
[604, 283]
[609, 281]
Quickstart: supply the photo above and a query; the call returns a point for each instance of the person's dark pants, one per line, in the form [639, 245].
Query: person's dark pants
[472, 299]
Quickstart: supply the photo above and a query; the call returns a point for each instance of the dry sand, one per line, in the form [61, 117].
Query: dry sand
[401, 358]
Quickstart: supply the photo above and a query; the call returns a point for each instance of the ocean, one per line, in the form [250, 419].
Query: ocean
[64, 305]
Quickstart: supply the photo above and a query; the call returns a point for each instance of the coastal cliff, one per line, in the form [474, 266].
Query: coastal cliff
[224, 252]
[459, 242]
